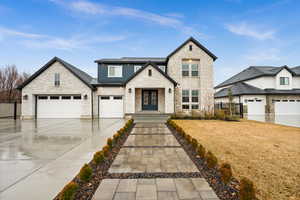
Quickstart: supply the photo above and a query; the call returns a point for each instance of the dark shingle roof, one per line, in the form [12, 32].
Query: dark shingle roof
[84, 77]
[242, 88]
[239, 89]
[257, 71]
[137, 60]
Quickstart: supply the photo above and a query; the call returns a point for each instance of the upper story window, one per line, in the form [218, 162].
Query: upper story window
[162, 68]
[191, 47]
[57, 79]
[137, 67]
[190, 67]
[185, 96]
[114, 71]
[284, 81]
[149, 72]
[185, 69]
[195, 96]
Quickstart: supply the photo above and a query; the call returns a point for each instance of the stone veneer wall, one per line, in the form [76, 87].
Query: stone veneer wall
[44, 84]
[204, 82]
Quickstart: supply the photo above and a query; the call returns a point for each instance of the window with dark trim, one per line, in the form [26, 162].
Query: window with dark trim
[195, 106]
[104, 97]
[185, 70]
[185, 106]
[54, 97]
[149, 72]
[195, 96]
[191, 47]
[284, 81]
[56, 79]
[65, 97]
[195, 71]
[185, 96]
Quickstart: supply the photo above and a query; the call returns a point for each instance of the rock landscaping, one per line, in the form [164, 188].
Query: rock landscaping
[155, 161]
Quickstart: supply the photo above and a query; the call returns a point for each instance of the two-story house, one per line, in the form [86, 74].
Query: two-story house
[264, 90]
[182, 81]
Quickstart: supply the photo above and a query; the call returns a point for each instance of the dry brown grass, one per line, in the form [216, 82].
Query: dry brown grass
[266, 153]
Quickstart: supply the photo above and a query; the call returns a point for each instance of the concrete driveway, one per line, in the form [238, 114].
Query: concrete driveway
[37, 158]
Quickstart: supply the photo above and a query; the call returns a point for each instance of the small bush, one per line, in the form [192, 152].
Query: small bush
[109, 143]
[194, 143]
[98, 157]
[105, 150]
[211, 159]
[85, 173]
[232, 118]
[68, 192]
[247, 191]
[188, 138]
[226, 172]
[116, 138]
[220, 114]
[201, 151]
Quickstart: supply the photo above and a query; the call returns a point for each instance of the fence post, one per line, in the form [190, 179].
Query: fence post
[15, 110]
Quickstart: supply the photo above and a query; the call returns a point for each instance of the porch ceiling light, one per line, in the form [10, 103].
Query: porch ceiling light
[129, 90]
[170, 90]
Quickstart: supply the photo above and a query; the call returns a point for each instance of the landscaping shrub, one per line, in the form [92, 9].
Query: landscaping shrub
[68, 191]
[194, 143]
[247, 191]
[232, 118]
[201, 151]
[105, 150]
[85, 173]
[220, 114]
[226, 172]
[188, 138]
[211, 159]
[98, 157]
[109, 143]
[116, 137]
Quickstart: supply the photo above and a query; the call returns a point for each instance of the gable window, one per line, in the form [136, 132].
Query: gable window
[57, 79]
[162, 68]
[137, 67]
[195, 70]
[149, 72]
[114, 71]
[185, 70]
[191, 47]
[284, 81]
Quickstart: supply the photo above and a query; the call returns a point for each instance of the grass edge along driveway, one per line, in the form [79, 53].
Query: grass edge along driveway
[268, 154]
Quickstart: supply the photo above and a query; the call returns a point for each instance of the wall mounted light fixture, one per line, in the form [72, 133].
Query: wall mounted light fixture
[129, 90]
[170, 90]
[25, 97]
[85, 97]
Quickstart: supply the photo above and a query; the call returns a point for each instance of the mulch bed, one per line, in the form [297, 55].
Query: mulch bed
[86, 190]
[212, 176]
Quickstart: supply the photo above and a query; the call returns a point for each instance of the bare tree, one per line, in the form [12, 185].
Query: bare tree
[9, 81]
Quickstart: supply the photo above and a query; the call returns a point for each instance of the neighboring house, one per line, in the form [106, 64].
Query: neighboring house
[264, 89]
[182, 81]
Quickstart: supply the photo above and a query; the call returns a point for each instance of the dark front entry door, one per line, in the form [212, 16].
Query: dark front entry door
[149, 100]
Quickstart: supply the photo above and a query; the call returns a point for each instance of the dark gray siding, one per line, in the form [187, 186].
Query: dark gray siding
[128, 70]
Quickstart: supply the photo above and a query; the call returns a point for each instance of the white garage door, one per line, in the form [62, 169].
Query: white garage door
[287, 108]
[256, 107]
[111, 107]
[63, 106]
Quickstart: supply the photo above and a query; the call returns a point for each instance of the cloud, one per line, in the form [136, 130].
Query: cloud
[245, 29]
[33, 40]
[95, 9]
[265, 55]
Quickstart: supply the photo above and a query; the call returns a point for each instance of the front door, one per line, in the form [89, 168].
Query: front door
[149, 100]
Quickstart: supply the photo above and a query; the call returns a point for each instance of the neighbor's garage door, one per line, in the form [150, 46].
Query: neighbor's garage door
[111, 107]
[287, 108]
[256, 107]
[59, 106]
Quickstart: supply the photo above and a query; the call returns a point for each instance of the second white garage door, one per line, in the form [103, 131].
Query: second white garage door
[111, 107]
[256, 107]
[287, 108]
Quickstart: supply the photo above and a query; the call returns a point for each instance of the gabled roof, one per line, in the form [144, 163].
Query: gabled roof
[154, 66]
[84, 77]
[191, 39]
[257, 71]
[136, 60]
[240, 88]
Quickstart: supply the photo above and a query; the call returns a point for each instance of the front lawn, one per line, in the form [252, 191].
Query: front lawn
[266, 153]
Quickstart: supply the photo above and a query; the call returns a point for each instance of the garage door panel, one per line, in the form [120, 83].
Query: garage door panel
[111, 107]
[59, 108]
[287, 108]
[256, 108]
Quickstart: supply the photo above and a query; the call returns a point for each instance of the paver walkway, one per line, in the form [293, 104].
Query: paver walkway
[151, 148]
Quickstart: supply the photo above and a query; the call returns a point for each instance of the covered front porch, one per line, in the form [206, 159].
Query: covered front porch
[150, 100]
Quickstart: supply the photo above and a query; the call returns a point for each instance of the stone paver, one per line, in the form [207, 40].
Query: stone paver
[152, 189]
[152, 148]
[137, 160]
[151, 140]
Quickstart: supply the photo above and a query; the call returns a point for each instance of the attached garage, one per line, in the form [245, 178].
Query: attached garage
[111, 106]
[256, 107]
[59, 106]
[285, 107]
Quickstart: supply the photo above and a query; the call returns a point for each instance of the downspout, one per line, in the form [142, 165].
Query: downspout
[92, 104]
